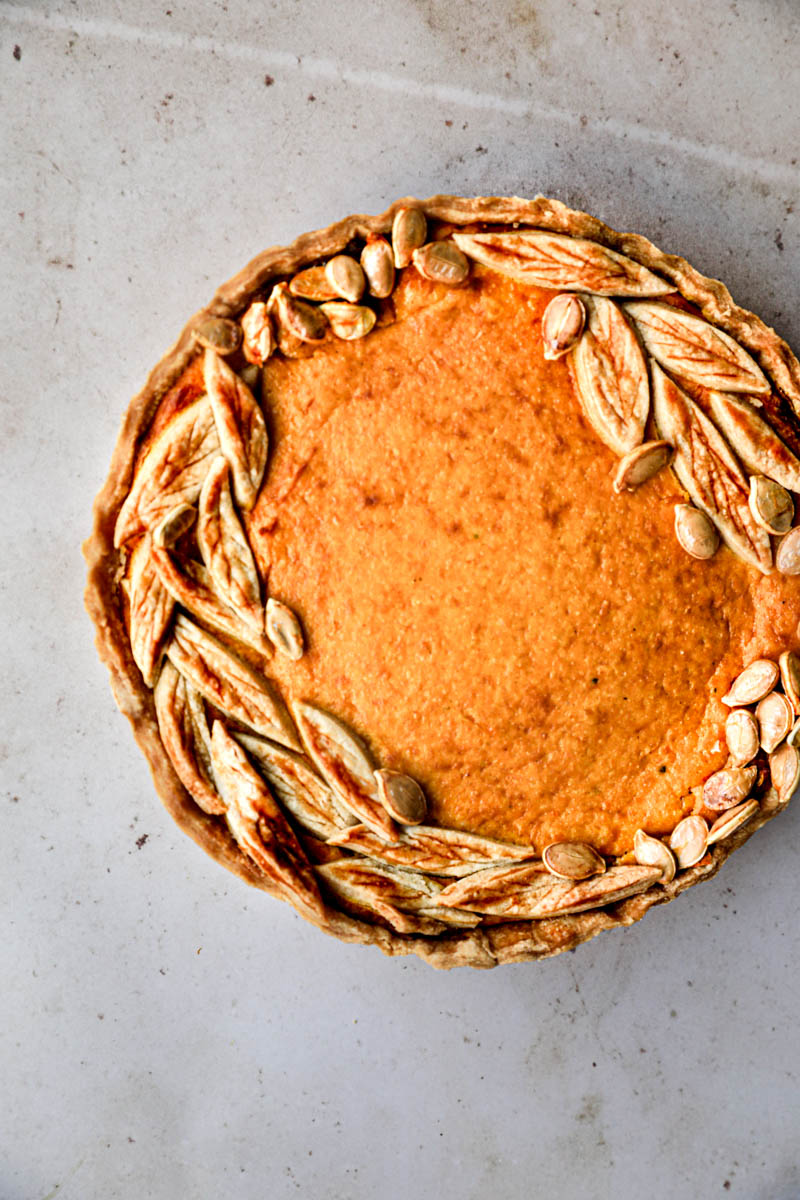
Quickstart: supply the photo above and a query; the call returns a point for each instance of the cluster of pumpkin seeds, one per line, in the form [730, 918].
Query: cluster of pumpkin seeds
[646, 352]
[764, 721]
[335, 296]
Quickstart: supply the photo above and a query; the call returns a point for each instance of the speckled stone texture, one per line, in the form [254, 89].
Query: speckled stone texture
[164, 1031]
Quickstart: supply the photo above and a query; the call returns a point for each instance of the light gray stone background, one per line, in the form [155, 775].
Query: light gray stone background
[164, 1031]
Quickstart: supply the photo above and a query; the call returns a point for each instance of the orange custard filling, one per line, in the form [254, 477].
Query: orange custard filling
[537, 651]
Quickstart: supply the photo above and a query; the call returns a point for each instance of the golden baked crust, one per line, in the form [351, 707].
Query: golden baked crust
[492, 943]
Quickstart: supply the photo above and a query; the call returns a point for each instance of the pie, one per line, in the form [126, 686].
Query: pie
[447, 572]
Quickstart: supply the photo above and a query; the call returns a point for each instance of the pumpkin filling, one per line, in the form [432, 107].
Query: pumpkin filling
[478, 603]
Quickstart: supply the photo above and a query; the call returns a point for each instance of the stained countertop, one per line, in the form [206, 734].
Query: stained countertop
[164, 1030]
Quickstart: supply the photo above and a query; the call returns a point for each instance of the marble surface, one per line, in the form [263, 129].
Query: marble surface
[165, 1032]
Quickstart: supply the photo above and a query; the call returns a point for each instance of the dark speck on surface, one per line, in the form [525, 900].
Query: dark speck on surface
[17, 52]
[268, 80]
[140, 841]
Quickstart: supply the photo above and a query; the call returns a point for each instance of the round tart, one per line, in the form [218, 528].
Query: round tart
[447, 570]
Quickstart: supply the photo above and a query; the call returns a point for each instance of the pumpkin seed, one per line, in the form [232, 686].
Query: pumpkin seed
[259, 341]
[641, 464]
[402, 797]
[771, 505]
[297, 317]
[284, 630]
[348, 321]
[754, 683]
[441, 262]
[377, 263]
[775, 717]
[789, 665]
[562, 324]
[730, 786]
[787, 556]
[695, 531]
[689, 841]
[346, 278]
[732, 820]
[784, 767]
[218, 333]
[312, 284]
[572, 860]
[651, 852]
[742, 736]
[409, 230]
